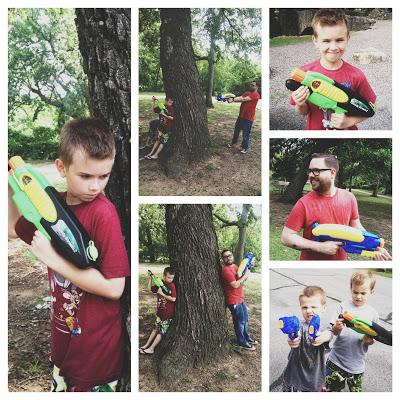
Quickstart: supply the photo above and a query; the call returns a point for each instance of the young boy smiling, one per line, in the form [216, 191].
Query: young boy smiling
[86, 321]
[331, 38]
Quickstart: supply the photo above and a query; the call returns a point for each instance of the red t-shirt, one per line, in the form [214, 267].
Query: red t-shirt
[165, 308]
[94, 354]
[232, 295]
[166, 123]
[347, 75]
[248, 108]
[341, 208]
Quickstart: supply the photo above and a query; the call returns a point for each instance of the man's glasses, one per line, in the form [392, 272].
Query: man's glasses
[317, 171]
[227, 256]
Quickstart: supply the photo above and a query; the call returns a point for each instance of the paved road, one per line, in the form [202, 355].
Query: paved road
[285, 285]
[284, 58]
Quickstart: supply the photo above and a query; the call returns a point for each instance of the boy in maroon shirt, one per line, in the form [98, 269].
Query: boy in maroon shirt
[165, 310]
[86, 320]
[245, 120]
[331, 37]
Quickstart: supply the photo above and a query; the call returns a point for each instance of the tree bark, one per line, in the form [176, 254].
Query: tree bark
[242, 225]
[190, 139]
[376, 188]
[105, 42]
[199, 330]
[211, 72]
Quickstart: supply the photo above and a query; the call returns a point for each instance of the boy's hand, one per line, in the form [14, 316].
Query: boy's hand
[159, 291]
[321, 338]
[294, 344]
[338, 327]
[301, 95]
[341, 121]
[43, 250]
[368, 340]
[383, 255]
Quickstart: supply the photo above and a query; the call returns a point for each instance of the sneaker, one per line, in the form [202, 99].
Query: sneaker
[243, 151]
[248, 347]
[253, 341]
[229, 145]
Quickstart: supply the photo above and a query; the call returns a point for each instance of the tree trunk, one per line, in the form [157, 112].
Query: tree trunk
[199, 330]
[242, 225]
[351, 181]
[190, 139]
[211, 73]
[294, 190]
[376, 188]
[105, 44]
[149, 244]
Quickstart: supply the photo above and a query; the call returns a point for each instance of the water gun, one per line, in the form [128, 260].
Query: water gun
[290, 326]
[41, 205]
[373, 330]
[330, 95]
[159, 106]
[159, 283]
[245, 264]
[313, 326]
[353, 240]
[225, 97]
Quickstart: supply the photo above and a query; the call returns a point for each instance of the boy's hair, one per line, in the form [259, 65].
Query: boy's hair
[90, 135]
[168, 98]
[359, 278]
[330, 17]
[331, 161]
[310, 291]
[169, 270]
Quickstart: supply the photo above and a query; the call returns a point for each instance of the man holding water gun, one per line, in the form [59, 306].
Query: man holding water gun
[326, 204]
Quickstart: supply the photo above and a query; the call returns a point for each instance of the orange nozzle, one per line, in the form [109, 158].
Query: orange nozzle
[347, 316]
[298, 75]
[382, 243]
[15, 162]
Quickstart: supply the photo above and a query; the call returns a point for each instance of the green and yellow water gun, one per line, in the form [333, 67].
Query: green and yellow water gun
[159, 283]
[40, 204]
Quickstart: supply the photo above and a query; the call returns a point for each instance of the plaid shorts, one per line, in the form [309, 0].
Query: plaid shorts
[162, 326]
[60, 384]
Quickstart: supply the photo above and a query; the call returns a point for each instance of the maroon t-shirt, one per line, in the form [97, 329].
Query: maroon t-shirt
[166, 123]
[165, 308]
[341, 208]
[86, 329]
[248, 108]
[232, 295]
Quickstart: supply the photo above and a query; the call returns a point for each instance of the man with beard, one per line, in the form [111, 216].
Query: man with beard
[245, 120]
[325, 204]
[234, 300]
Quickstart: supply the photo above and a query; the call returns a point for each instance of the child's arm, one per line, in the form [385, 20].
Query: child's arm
[166, 296]
[321, 338]
[149, 282]
[343, 121]
[300, 97]
[338, 326]
[13, 216]
[90, 280]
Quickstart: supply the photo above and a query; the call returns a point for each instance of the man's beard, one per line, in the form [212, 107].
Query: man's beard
[322, 187]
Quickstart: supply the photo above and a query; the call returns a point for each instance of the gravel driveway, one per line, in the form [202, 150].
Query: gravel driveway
[283, 59]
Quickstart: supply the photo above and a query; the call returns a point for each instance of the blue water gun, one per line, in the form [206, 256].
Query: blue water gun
[245, 264]
[225, 97]
[313, 327]
[290, 326]
[353, 240]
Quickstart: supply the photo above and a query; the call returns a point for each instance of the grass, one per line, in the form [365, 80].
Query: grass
[375, 215]
[288, 40]
[33, 368]
[387, 273]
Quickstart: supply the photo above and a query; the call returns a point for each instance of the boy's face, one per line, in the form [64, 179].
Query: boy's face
[168, 278]
[361, 293]
[86, 177]
[311, 306]
[169, 102]
[331, 42]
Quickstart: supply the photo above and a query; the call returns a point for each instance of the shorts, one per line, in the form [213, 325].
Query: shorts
[336, 377]
[60, 384]
[163, 138]
[162, 326]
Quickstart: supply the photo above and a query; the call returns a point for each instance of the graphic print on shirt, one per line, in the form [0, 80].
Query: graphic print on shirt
[65, 300]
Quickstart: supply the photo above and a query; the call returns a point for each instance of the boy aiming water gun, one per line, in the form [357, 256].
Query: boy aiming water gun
[40, 204]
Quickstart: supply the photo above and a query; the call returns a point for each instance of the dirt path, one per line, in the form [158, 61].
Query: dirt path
[28, 322]
[226, 173]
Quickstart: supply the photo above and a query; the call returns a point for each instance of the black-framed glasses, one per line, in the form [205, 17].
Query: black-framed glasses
[227, 256]
[317, 171]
